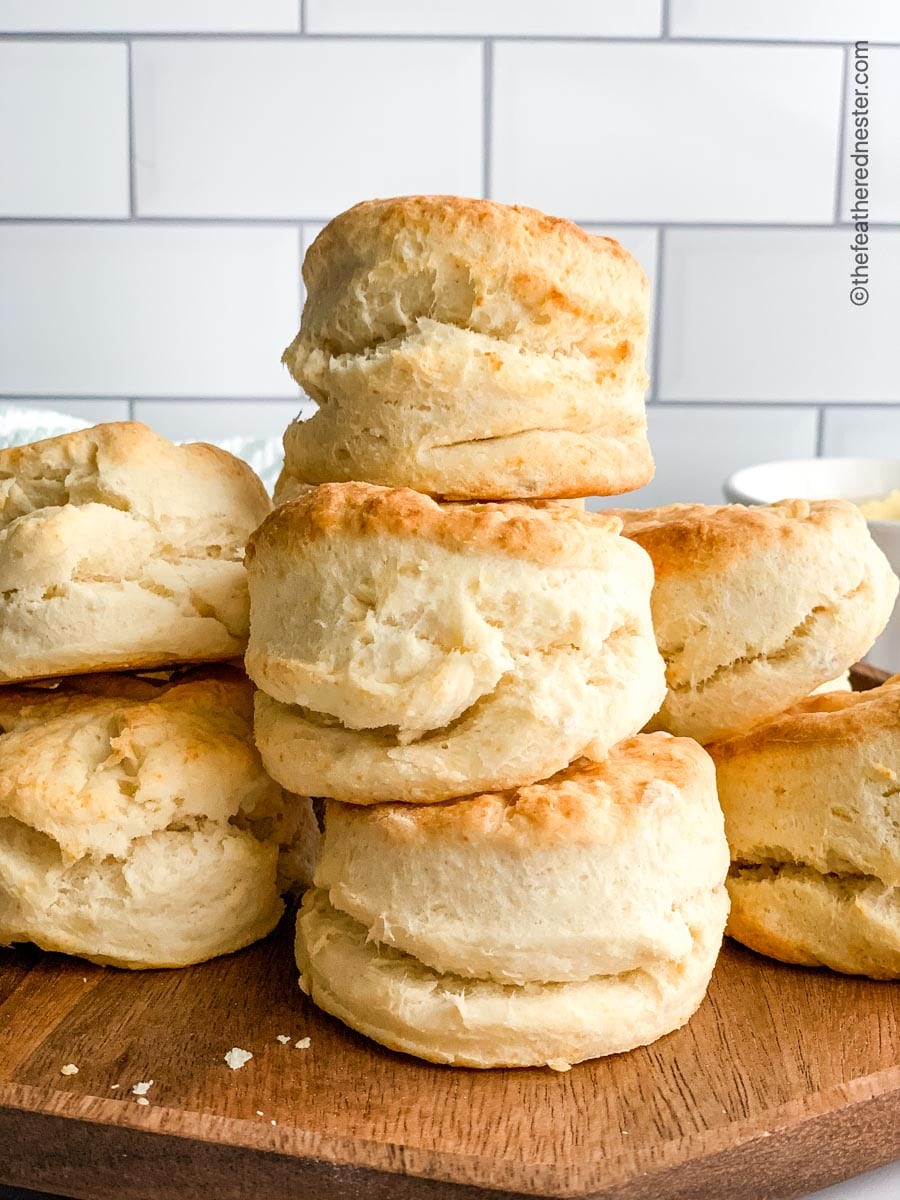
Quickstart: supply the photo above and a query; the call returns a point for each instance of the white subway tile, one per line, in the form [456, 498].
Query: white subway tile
[875, 112]
[92, 411]
[150, 16]
[63, 129]
[765, 314]
[862, 432]
[302, 128]
[663, 131]
[607, 18]
[814, 20]
[125, 310]
[697, 447]
[213, 420]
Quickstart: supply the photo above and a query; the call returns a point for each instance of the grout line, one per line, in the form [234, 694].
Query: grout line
[72, 397]
[666, 20]
[130, 410]
[657, 315]
[842, 137]
[820, 433]
[132, 174]
[207, 222]
[294, 36]
[781, 403]
[487, 85]
[292, 222]
[301, 237]
[303, 16]
[776, 403]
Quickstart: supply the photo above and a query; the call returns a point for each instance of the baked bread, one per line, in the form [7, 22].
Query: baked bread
[470, 350]
[812, 814]
[137, 826]
[416, 652]
[600, 870]
[121, 550]
[755, 607]
[394, 999]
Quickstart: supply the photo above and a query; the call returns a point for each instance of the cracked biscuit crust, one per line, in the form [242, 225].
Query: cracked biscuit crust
[755, 607]
[119, 549]
[797, 915]
[414, 652]
[137, 825]
[519, 333]
[812, 816]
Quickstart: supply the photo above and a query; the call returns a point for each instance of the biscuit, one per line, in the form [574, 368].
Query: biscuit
[756, 607]
[416, 652]
[137, 826]
[396, 1000]
[599, 870]
[812, 815]
[121, 550]
[470, 350]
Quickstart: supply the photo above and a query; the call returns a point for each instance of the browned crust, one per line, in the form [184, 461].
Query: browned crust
[130, 444]
[750, 933]
[368, 511]
[112, 663]
[123, 438]
[562, 804]
[691, 539]
[458, 216]
[223, 687]
[835, 717]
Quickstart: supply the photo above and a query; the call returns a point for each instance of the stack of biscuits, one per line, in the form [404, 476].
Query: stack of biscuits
[461, 659]
[754, 609]
[137, 825]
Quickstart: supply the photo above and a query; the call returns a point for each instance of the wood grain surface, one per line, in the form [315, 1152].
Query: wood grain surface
[786, 1080]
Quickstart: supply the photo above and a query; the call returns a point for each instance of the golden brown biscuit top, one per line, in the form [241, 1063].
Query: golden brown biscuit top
[846, 718]
[126, 465]
[584, 803]
[513, 274]
[362, 510]
[686, 539]
[458, 218]
[94, 769]
[219, 689]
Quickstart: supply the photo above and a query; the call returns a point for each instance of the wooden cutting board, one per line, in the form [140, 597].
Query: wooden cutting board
[785, 1081]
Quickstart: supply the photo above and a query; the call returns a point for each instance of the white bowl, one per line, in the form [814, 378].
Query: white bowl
[854, 479]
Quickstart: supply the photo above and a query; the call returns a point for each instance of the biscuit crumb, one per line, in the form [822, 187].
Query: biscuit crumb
[141, 1089]
[68, 1069]
[559, 1064]
[260, 1113]
[303, 1044]
[237, 1058]
[283, 1038]
[113, 1086]
[141, 1100]
[273, 1122]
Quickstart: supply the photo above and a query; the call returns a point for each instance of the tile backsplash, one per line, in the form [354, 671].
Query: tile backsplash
[165, 164]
